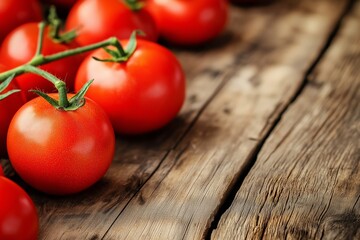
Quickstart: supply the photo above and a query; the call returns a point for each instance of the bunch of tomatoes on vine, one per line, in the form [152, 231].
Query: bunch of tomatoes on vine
[69, 84]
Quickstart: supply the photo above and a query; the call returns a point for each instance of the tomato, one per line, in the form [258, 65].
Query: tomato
[62, 152]
[18, 216]
[140, 95]
[98, 20]
[15, 13]
[8, 108]
[1, 171]
[19, 47]
[189, 22]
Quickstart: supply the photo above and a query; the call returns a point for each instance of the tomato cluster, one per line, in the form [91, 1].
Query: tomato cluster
[139, 86]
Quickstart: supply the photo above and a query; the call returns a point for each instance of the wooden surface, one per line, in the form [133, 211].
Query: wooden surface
[306, 180]
[272, 115]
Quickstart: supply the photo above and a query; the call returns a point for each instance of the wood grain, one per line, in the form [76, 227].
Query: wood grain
[306, 181]
[180, 199]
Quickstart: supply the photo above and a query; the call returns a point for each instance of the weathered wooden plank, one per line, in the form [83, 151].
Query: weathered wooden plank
[306, 181]
[89, 215]
[179, 200]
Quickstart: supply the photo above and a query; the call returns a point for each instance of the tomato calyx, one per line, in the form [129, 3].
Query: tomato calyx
[134, 5]
[56, 25]
[118, 53]
[63, 103]
[4, 85]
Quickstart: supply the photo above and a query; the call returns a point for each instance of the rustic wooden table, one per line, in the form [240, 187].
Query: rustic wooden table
[266, 146]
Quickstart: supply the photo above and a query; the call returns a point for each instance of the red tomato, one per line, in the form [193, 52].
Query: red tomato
[18, 216]
[140, 95]
[8, 108]
[19, 47]
[1, 171]
[98, 20]
[189, 22]
[14, 13]
[62, 152]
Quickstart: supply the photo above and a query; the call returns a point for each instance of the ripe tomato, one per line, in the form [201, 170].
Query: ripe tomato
[19, 47]
[139, 95]
[1, 171]
[15, 13]
[62, 152]
[18, 216]
[189, 22]
[8, 108]
[98, 20]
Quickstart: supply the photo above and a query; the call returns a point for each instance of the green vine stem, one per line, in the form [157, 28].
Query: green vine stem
[63, 103]
[55, 27]
[39, 47]
[59, 84]
[40, 59]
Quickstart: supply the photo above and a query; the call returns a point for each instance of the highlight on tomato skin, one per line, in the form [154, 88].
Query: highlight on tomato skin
[189, 23]
[140, 95]
[29, 11]
[18, 215]
[63, 152]
[97, 20]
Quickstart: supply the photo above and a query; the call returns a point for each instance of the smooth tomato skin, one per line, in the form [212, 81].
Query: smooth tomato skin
[190, 22]
[141, 95]
[61, 152]
[15, 13]
[18, 216]
[19, 47]
[1, 171]
[97, 20]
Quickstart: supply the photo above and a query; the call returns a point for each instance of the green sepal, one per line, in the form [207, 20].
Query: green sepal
[119, 54]
[56, 24]
[134, 5]
[113, 53]
[78, 100]
[131, 46]
[4, 85]
[105, 60]
[49, 99]
[68, 37]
